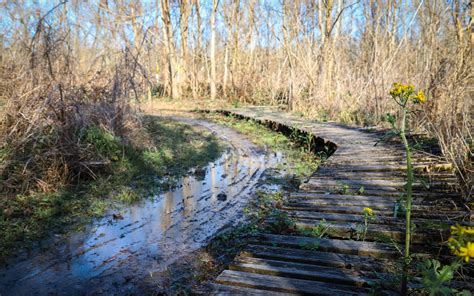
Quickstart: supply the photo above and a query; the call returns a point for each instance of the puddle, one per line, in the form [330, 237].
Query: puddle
[116, 255]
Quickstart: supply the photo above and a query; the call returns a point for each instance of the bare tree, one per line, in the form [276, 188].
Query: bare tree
[170, 49]
[185, 11]
[213, 80]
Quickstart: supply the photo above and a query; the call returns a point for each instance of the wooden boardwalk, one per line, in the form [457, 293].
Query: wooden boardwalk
[363, 172]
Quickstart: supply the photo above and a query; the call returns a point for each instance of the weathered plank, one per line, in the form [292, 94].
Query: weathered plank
[373, 182]
[348, 230]
[303, 271]
[377, 192]
[351, 247]
[226, 290]
[317, 258]
[422, 214]
[387, 206]
[283, 284]
[303, 195]
[305, 206]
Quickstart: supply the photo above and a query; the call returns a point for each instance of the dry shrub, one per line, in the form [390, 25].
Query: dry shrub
[50, 105]
[450, 115]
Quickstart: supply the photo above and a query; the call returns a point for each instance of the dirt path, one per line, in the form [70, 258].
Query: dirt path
[120, 256]
[363, 172]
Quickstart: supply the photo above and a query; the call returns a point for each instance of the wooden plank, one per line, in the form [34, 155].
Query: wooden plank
[224, 290]
[333, 187]
[389, 205]
[287, 285]
[307, 206]
[348, 230]
[317, 258]
[325, 171]
[363, 182]
[384, 168]
[356, 206]
[351, 247]
[376, 192]
[379, 184]
[302, 271]
[311, 215]
[427, 224]
[304, 195]
[399, 165]
[399, 158]
[421, 212]
[439, 180]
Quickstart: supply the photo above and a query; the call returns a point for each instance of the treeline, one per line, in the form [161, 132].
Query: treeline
[329, 59]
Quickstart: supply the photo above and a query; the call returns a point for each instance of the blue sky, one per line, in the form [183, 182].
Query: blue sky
[353, 20]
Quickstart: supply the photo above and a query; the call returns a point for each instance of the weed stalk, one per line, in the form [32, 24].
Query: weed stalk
[408, 202]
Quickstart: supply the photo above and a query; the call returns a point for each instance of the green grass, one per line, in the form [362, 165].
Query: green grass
[298, 160]
[171, 150]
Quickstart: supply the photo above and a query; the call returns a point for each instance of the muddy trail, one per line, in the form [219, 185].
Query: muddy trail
[120, 254]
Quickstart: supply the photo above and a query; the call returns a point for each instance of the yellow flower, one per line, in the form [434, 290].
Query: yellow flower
[456, 229]
[466, 252]
[419, 97]
[396, 90]
[404, 92]
[368, 211]
[462, 230]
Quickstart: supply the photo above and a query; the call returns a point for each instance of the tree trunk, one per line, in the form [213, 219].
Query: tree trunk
[170, 51]
[235, 49]
[226, 70]
[184, 29]
[212, 82]
[197, 56]
[327, 55]
[286, 44]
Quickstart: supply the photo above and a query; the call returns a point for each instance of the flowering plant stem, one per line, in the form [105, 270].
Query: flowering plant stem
[404, 95]
[408, 190]
[409, 186]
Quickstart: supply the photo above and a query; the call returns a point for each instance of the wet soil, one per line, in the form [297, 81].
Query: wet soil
[121, 252]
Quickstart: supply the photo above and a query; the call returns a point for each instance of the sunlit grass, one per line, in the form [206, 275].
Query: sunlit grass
[298, 160]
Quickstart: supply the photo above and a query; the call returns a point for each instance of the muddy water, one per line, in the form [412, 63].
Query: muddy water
[119, 255]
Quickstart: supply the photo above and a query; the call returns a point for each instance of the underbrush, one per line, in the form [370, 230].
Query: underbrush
[126, 173]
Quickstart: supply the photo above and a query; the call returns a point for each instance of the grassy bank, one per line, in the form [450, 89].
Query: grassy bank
[169, 149]
[298, 160]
